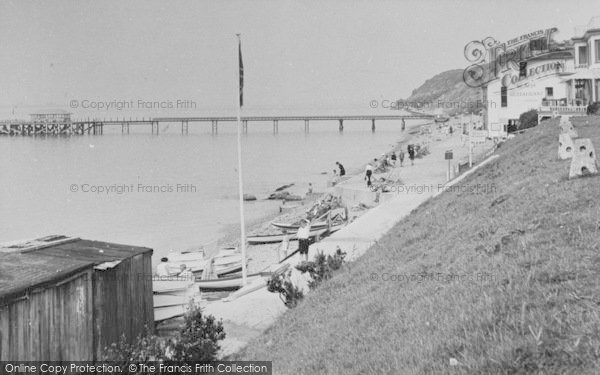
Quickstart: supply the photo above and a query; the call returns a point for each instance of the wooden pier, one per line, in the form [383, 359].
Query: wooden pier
[96, 126]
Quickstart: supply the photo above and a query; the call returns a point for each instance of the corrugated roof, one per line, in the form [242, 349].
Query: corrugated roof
[22, 272]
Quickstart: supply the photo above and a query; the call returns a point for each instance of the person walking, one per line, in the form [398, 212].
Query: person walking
[401, 157]
[341, 167]
[393, 158]
[368, 173]
[303, 235]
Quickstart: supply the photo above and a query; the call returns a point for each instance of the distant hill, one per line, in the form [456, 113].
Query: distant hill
[446, 92]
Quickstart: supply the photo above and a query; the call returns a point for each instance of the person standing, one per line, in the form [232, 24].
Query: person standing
[411, 154]
[304, 238]
[341, 167]
[401, 157]
[162, 270]
[368, 173]
[393, 158]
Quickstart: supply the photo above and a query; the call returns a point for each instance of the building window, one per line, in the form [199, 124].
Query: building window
[597, 48]
[549, 92]
[583, 59]
[504, 96]
[522, 69]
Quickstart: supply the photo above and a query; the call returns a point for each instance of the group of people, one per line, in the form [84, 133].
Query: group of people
[387, 160]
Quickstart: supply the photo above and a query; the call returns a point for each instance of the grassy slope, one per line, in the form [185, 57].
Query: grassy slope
[537, 236]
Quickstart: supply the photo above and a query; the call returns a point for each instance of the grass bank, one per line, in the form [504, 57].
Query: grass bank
[499, 276]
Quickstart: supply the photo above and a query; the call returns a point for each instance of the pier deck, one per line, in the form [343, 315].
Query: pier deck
[96, 126]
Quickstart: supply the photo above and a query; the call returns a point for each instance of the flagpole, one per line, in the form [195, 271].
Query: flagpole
[240, 185]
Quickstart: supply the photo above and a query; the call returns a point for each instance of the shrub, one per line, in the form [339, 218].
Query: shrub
[288, 292]
[146, 348]
[528, 119]
[322, 267]
[593, 108]
[197, 340]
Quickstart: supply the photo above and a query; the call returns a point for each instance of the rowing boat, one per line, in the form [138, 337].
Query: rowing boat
[164, 300]
[272, 238]
[228, 269]
[228, 259]
[226, 283]
[193, 260]
[294, 226]
[178, 287]
[168, 312]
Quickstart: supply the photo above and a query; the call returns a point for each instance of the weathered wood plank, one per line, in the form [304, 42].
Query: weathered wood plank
[4, 333]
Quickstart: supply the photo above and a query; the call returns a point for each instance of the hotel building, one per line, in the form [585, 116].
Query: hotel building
[535, 72]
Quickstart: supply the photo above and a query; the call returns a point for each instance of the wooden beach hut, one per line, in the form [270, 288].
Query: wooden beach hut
[118, 300]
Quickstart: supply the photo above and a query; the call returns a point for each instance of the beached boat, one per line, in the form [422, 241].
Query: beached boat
[164, 300]
[178, 287]
[227, 259]
[225, 283]
[193, 260]
[294, 226]
[168, 312]
[272, 238]
[227, 269]
[440, 118]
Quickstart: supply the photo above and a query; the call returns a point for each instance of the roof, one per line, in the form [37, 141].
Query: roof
[23, 272]
[553, 55]
[96, 252]
[34, 263]
[584, 74]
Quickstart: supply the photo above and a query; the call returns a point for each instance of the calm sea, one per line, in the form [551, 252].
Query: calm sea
[168, 191]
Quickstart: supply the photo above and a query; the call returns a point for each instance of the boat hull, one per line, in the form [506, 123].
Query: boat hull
[272, 238]
[229, 283]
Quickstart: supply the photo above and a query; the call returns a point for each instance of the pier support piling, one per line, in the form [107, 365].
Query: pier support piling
[306, 126]
[373, 125]
[184, 127]
[275, 126]
[341, 128]
[215, 126]
[245, 126]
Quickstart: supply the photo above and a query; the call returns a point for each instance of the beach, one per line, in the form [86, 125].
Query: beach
[371, 216]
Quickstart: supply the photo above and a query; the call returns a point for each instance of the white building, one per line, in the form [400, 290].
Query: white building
[562, 80]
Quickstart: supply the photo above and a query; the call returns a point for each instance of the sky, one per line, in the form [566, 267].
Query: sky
[299, 56]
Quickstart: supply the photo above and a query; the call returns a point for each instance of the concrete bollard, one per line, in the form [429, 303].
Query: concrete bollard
[565, 146]
[567, 127]
[583, 162]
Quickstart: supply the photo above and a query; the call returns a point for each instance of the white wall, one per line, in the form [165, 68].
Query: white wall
[523, 95]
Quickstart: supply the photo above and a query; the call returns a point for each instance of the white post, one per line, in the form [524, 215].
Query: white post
[240, 186]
